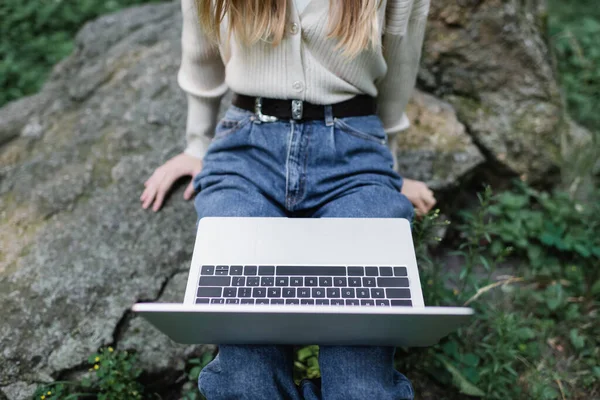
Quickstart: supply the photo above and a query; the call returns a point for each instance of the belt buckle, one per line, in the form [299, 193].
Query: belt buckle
[258, 111]
[297, 109]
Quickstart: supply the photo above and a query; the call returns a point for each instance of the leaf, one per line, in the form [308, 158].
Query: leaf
[525, 333]
[555, 296]
[459, 380]
[470, 359]
[305, 353]
[596, 288]
[577, 340]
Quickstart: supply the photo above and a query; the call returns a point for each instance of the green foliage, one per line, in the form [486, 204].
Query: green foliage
[534, 336]
[575, 28]
[114, 377]
[36, 34]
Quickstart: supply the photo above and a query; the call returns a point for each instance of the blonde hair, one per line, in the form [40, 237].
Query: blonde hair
[353, 22]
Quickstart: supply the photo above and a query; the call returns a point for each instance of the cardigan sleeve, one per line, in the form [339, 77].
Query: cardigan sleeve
[402, 44]
[202, 76]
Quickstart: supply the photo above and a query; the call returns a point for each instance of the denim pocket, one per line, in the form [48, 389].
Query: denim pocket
[369, 128]
[234, 120]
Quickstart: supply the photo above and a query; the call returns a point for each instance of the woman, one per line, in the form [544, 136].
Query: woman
[319, 85]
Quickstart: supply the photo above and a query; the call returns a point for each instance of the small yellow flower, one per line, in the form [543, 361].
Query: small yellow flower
[49, 393]
[91, 370]
[430, 282]
[110, 349]
[42, 397]
[455, 291]
[97, 359]
[96, 366]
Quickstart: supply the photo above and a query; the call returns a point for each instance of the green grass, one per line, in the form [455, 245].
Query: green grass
[36, 34]
[575, 28]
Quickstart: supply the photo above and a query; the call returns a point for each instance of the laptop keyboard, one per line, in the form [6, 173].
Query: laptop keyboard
[298, 285]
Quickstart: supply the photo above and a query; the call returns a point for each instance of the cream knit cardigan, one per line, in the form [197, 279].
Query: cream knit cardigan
[305, 66]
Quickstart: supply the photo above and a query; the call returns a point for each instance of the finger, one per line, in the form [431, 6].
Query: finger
[189, 191]
[429, 201]
[160, 197]
[149, 197]
[421, 208]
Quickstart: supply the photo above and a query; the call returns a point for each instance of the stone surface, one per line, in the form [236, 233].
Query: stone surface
[490, 59]
[76, 248]
[436, 148]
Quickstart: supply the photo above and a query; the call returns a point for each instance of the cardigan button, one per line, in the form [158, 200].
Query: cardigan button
[298, 86]
[294, 28]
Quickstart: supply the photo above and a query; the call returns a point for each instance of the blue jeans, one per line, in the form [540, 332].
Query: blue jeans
[329, 168]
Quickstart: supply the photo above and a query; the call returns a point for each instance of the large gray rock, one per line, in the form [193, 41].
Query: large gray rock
[490, 60]
[77, 250]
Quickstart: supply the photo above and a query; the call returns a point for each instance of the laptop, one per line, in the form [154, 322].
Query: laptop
[330, 281]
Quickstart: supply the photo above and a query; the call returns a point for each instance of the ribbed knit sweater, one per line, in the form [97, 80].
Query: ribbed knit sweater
[305, 66]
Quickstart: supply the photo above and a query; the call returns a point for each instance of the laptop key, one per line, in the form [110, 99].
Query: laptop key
[267, 281]
[310, 302]
[292, 301]
[333, 292]
[354, 282]
[215, 281]
[222, 270]
[247, 301]
[235, 270]
[337, 302]
[202, 301]
[348, 293]
[400, 271]
[322, 302]
[244, 292]
[208, 270]
[385, 271]
[277, 301]
[259, 292]
[367, 302]
[274, 292]
[340, 282]
[238, 281]
[250, 270]
[310, 271]
[362, 293]
[229, 292]
[209, 292]
[296, 281]
[282, 281]
[318, 292]
[253, 281]
[303, 292]
[371, 271]
[352, 302]
[369, 282]
[232, 301]
[382, 302]
[289, 292]
[356, 271]
[325, 281]
[378, 293]
[392, 282]
[266, 270]
[217, 301]
[310, 281]
[405, 303]
[262, 301]
[397, 293]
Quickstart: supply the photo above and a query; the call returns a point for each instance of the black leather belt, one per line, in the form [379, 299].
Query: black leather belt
[270, 110]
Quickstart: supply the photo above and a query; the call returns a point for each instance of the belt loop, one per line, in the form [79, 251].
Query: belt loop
[328, 115]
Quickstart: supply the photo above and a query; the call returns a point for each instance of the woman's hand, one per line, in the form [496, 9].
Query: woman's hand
[163, 178]
[419, 195]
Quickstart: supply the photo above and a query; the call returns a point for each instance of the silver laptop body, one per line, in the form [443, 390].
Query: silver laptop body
[304, 281]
